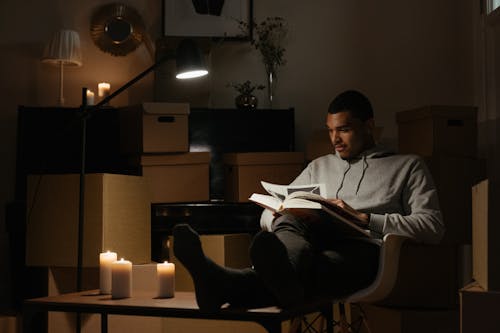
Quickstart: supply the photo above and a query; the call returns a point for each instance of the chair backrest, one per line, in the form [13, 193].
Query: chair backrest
[387, 271]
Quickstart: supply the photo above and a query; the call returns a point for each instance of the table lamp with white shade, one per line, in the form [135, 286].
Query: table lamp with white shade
[63, 50]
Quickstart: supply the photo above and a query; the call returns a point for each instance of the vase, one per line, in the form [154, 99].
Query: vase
[271, 86]
[246, 102]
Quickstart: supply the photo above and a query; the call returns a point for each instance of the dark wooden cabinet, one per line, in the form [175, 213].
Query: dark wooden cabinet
[49, 140]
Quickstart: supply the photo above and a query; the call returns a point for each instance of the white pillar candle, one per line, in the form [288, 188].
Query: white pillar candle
[165, 273]
[90, 97]
[103, 89]
[105, 261]
[121, 279]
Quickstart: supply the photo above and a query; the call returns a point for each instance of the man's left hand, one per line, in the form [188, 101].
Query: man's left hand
[364, 218]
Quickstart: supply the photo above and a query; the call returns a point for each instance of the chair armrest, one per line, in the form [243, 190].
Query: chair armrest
[387, 271]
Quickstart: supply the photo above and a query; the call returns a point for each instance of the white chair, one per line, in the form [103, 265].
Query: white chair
[387, 273]
[383, 284]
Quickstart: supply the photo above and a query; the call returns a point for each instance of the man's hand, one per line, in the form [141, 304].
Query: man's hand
[364, 218]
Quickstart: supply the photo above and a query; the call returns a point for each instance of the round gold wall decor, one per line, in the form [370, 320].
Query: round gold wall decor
[117, 29]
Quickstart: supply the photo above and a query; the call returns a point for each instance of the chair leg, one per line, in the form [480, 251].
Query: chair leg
[320, 323]
[295, 325]
[362, 320]
[344, 324]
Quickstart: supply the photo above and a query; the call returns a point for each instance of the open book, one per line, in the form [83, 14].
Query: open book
[283, 198]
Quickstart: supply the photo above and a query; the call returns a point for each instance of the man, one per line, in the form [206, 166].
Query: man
[298, 256]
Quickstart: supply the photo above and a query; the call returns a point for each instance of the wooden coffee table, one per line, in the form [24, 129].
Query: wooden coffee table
[183, 305]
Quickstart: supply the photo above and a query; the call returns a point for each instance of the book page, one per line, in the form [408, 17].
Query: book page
[300, 203]
[266, 201]
[325, 202]
[282, 191]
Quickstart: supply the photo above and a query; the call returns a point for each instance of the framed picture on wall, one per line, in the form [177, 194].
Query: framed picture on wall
[207, 18]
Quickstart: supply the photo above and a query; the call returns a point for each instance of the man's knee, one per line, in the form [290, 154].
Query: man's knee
[288, 222]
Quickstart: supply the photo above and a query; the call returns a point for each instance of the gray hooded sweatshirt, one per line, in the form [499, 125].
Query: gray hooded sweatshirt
[397, 191]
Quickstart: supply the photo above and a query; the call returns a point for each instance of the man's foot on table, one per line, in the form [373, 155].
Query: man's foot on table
[208, 277]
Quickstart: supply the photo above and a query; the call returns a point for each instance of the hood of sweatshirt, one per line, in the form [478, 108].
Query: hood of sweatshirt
[378, 151]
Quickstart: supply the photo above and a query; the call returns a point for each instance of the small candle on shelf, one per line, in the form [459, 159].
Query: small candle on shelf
[103, 89]
[165, 273]
[105, 261]
[90, 97]
[121, 279]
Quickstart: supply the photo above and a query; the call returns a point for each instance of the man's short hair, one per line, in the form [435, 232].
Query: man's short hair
[353, 101]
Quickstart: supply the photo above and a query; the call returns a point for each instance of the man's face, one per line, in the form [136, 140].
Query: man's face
[349, 136]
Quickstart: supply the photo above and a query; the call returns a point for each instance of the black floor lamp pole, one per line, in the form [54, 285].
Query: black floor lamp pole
[86, 111]
[81, 201]
[190, 62]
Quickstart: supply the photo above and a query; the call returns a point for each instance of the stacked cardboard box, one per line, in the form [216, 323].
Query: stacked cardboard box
[485, 231]
[480, 299]
[155, 137]
[446, 137]
[244, 172]
[395, 320]
[180, 177]
[229, 250]
[479, 309]
[117, 218]
[8, 324]
[154, 128]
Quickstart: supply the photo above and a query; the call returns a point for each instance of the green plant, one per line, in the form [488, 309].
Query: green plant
[269, 38]
[245, 88]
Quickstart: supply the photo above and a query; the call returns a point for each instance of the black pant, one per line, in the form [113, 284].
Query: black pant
[328, 265]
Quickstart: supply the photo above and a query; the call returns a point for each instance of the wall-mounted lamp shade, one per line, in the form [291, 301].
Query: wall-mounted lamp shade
[63, 50]
[190, 61]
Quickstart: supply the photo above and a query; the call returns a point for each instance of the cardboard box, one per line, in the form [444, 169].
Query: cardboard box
[244, 171]
[154, 128]
[229, 250]
[393, 320]
[454, 176]
[117, 217]
[8, 324]
[177, 177]
[436, 129]
[485, 231]
[479, 309]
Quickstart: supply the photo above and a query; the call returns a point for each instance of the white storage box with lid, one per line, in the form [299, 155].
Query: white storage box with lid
[154, 128]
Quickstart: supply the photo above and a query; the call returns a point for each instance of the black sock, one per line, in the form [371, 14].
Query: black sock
[270, 259]
[216, 285]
